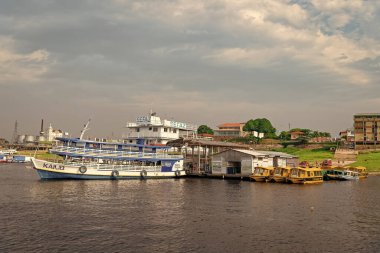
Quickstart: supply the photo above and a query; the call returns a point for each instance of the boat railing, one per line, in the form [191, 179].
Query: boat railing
[111, 153]
[119, 167]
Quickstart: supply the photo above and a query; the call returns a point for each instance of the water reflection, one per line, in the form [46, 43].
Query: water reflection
[188, 215]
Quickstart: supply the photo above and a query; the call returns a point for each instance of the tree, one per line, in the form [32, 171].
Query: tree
[284, 135]
[262, 126]
[204, 129]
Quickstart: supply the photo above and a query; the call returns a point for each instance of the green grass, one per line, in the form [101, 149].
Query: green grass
[369, 160]
[40, 155]
[308, 155]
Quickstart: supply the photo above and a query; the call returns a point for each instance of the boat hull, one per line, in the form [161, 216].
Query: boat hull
[47, 170]
[305, 180]
[280, 179]
[259, 178]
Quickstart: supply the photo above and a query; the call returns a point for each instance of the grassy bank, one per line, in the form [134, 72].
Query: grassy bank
[369, 160]
[40, 155]
[308, 155]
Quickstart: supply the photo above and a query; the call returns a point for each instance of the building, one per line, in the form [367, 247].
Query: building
[347, 135]
[296, 134]
[320, 139]
[242, 162]
[51, 134]
[198, 152]
[367, 130]
[152, 129]
[232, 130]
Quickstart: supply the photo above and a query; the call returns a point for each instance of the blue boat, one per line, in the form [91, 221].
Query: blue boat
[87, 159]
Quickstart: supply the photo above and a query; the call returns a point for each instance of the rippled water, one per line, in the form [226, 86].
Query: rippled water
[185, 215]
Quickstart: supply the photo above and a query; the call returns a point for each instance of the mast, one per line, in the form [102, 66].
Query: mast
[85, 129]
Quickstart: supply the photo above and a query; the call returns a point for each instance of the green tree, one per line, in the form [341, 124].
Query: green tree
[284, 135]
[204, 129]
[262, 126]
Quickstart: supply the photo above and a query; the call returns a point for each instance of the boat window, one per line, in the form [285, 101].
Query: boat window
[308, 173]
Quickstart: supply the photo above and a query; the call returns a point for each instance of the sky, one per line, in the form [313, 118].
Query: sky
[308, 64]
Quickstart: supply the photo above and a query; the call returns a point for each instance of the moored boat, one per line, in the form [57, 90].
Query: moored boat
[306, 175]
[281, 174]
[262, 174]
[349, 175]
[85, 159]
[362, 171]
[332, 173]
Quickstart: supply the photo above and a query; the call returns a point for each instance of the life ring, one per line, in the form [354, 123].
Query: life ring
[177, 173]
[82, 169]
[143, 173]
[115, 173]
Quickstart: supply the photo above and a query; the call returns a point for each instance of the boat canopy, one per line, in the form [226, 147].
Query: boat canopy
[77, 140]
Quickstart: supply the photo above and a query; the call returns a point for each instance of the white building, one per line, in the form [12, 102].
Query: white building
[243, 162]
[51, 134]
[152, 129]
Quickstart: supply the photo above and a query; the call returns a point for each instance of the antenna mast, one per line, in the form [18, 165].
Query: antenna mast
[85, 129]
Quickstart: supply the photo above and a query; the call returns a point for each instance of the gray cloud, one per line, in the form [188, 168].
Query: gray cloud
[310, 65]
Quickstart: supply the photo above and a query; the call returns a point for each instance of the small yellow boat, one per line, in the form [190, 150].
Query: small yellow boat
[306, 175]
[359, 169]
[281, 174]
[262, 174]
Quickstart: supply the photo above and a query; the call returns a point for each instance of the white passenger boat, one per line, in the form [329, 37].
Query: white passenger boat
[86, 159]
[349, 175]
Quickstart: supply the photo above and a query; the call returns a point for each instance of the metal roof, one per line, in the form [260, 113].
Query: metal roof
[201, 142]
[280, 154]
[261, 153]
[76, 140]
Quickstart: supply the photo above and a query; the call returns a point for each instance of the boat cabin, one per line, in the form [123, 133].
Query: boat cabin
[262, 174]
[281, 174]
[307, 175]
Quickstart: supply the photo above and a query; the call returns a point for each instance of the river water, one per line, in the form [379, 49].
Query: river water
[185, 215]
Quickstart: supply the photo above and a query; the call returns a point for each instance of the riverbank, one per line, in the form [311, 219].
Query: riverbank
[44, 155]
[369, 160]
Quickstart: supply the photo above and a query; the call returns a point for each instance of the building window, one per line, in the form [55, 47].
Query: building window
[150, 129]
[175, 131]
[165, 129]
[155, 129]
[137, 130]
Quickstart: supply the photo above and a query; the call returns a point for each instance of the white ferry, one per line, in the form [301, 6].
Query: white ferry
[151, 129]
[86, 159]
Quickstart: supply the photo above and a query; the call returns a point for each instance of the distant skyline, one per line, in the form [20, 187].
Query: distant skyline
[313, 64]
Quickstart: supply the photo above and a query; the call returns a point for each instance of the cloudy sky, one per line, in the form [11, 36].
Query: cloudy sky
[312, 63]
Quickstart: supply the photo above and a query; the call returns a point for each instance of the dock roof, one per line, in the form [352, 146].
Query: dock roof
[201, 142]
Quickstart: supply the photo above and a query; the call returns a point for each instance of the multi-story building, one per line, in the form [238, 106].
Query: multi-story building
[232, 130]
[152, 130]
[367, 130]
